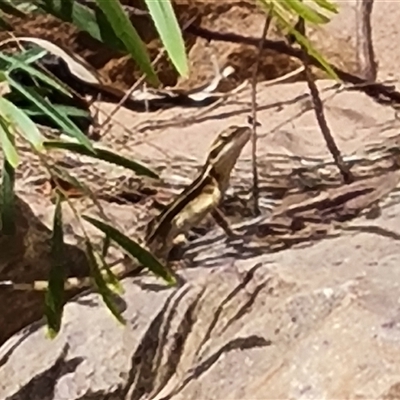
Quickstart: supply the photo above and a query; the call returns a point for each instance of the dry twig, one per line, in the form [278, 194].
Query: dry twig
[319, 110]
[267, 24]
[367, 65]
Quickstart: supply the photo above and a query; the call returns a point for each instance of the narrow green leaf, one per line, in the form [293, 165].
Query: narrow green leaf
[102, 154]
[134, 249]
[327, 5]
[15, 63]
[24, 6]
[103, 289]
[110, 276]
[307, 13]
[54, 298]
[313, 53]
[9, 8]
[170, 33]
[27, 128]
[4, 86]
[129, 36]
[44, 105]
[106, 246]
[8, 200]
[30, 56]
[63, 109]
[279, 14]
[7, 144]
[93, 22]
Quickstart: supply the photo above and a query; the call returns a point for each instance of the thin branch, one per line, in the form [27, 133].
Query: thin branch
[267, 24]
[319, 111]
[367, 65]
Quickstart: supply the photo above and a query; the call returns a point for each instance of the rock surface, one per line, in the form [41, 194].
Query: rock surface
[321, 322]
[26, 256]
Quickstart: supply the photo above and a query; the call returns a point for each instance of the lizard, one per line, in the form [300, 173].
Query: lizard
[204, 194]
[190, 207]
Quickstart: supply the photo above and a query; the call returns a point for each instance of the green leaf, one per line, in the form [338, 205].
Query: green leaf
[103, 289]
[170, 33]
[102, 154]
[93, 22]
[109, 276]
[44, 105]
[7, 144]
[9, 8]
[327, 5]
[134, 249]
[129, 36]
[30, 56]
[15, 63]
[54, 298]
[63, 109]
[106, 246]
[27, 128]
[7, 200]
[24, 6]
[302, 10]
[279, 13]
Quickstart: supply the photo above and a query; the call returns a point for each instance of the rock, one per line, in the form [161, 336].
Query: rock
[316, 322]
[25, 257]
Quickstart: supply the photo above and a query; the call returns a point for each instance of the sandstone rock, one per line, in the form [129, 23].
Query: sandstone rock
[317, 322]
[24, 257]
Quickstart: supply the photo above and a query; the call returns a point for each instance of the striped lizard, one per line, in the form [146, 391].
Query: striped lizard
[196, 201]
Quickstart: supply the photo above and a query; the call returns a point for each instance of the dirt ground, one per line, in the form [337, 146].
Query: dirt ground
[229, 16]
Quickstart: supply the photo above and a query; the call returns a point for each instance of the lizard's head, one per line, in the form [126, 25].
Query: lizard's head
[227, 147]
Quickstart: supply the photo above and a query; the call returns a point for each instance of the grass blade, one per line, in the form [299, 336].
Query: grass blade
[25, 125]
[170, 33]
[102, 154]
[44, 105]
[63, 109]
[93, 22]
[7, 144]
[54, 298]
[134, 249]
[30, 56]
[103, 289]
[279, 13]
[7, 200]
[129, 36]
[9, 8]
[307, 13]
[327, 5]
[109, 276]
[15, 63]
